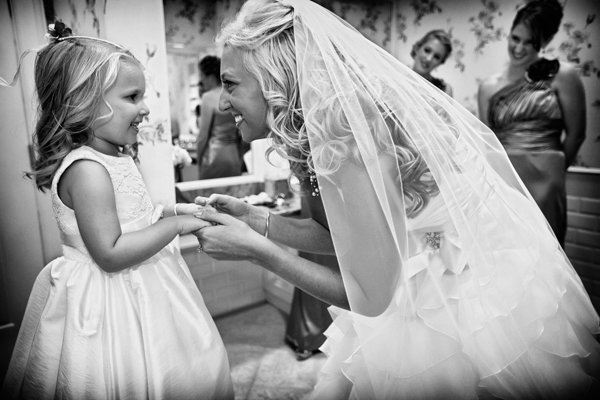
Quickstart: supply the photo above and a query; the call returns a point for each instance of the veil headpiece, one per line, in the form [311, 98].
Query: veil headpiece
[401, 165]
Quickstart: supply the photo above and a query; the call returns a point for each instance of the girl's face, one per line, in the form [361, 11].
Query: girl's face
[429, 56]
[242, 97]
[126, 98]
[520, 47]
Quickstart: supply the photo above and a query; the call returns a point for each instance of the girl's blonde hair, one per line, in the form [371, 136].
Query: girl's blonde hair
[263, 32]
[72, 76]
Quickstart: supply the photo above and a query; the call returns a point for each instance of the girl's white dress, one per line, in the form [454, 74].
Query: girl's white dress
[141, 333]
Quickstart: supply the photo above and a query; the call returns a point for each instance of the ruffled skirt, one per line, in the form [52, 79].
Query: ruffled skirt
[142, 333]
[511, 322]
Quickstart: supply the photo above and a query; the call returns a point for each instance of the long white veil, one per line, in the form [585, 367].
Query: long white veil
[435, 233]
[359, 105]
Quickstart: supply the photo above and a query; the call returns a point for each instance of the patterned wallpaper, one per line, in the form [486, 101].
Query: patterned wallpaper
[479, 29]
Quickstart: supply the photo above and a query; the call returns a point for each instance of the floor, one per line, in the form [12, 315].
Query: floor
[262, 365]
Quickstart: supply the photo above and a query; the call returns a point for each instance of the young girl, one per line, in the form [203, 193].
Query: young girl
[118, 316]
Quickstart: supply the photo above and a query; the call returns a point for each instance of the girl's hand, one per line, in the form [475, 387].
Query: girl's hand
[188, 208]
[226, 204]
[227, 238]
[189, 224]
[254, 217]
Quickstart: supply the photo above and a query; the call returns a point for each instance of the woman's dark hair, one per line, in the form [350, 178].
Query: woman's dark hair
[542, 18]
[210, 65]
[438, 34]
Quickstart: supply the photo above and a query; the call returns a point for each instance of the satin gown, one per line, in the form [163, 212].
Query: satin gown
[527, 118]
[140, 333]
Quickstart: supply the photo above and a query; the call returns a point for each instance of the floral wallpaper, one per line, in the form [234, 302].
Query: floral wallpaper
[478, 28]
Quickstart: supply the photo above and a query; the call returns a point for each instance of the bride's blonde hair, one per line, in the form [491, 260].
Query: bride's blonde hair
[263, 32]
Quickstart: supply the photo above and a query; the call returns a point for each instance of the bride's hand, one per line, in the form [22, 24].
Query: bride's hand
[253, 216]
[228, 238]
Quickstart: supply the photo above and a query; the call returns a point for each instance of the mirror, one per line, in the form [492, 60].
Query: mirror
[190, 31]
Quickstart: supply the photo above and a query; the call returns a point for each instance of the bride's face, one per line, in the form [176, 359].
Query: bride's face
[242, 97]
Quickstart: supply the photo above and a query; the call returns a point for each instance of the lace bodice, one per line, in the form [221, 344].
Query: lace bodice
[134, 207]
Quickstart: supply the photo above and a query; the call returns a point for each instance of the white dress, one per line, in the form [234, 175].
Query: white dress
[525, 331]
[141, 333]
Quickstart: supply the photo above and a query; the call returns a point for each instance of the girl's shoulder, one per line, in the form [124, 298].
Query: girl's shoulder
[80, 153]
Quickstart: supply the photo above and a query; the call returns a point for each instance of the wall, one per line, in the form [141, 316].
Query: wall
[583, 233]
[479, 29]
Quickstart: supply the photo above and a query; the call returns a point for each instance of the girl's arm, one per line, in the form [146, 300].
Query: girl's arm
[87, 189]
[571, 96]
[234, 239]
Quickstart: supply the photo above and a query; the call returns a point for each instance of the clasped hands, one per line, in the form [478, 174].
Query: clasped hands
[229, 235]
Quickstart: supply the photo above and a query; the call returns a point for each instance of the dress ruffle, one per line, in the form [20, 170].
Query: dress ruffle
[519, 328]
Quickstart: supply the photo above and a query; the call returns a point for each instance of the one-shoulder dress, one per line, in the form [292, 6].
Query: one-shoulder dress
[527, 119]
[140, 333]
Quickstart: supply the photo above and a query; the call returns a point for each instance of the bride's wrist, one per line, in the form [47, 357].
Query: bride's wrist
[260, 220]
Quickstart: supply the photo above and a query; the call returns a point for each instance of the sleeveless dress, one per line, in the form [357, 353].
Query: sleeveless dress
[221, 157]
[526, 331]
[140, 333]
[527, 119]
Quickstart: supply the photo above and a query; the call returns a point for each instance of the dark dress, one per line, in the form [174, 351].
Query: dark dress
[309, 317]
[439, 83]
[527, 118]
[221, 155]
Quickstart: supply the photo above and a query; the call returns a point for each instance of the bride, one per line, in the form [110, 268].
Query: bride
[451, 283]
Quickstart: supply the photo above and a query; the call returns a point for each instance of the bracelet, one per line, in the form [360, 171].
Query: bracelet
[175, 209]
[267, 225]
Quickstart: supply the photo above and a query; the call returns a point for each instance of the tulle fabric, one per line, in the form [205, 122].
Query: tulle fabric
[470, 294]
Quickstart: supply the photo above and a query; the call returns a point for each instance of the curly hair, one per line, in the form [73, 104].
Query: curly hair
[263, 32]
[542, 18]
[438, 34]
[72, 75]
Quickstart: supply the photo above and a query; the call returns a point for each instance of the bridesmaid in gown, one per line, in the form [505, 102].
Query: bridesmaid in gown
[530, 104]
[429, 52]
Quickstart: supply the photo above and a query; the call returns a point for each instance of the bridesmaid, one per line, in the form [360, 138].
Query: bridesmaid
[431, 51]
[531, 103]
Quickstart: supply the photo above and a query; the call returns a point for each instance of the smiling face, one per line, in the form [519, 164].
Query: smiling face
[429, 56]
[242, 97]
[126, 99]
[521, 50]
